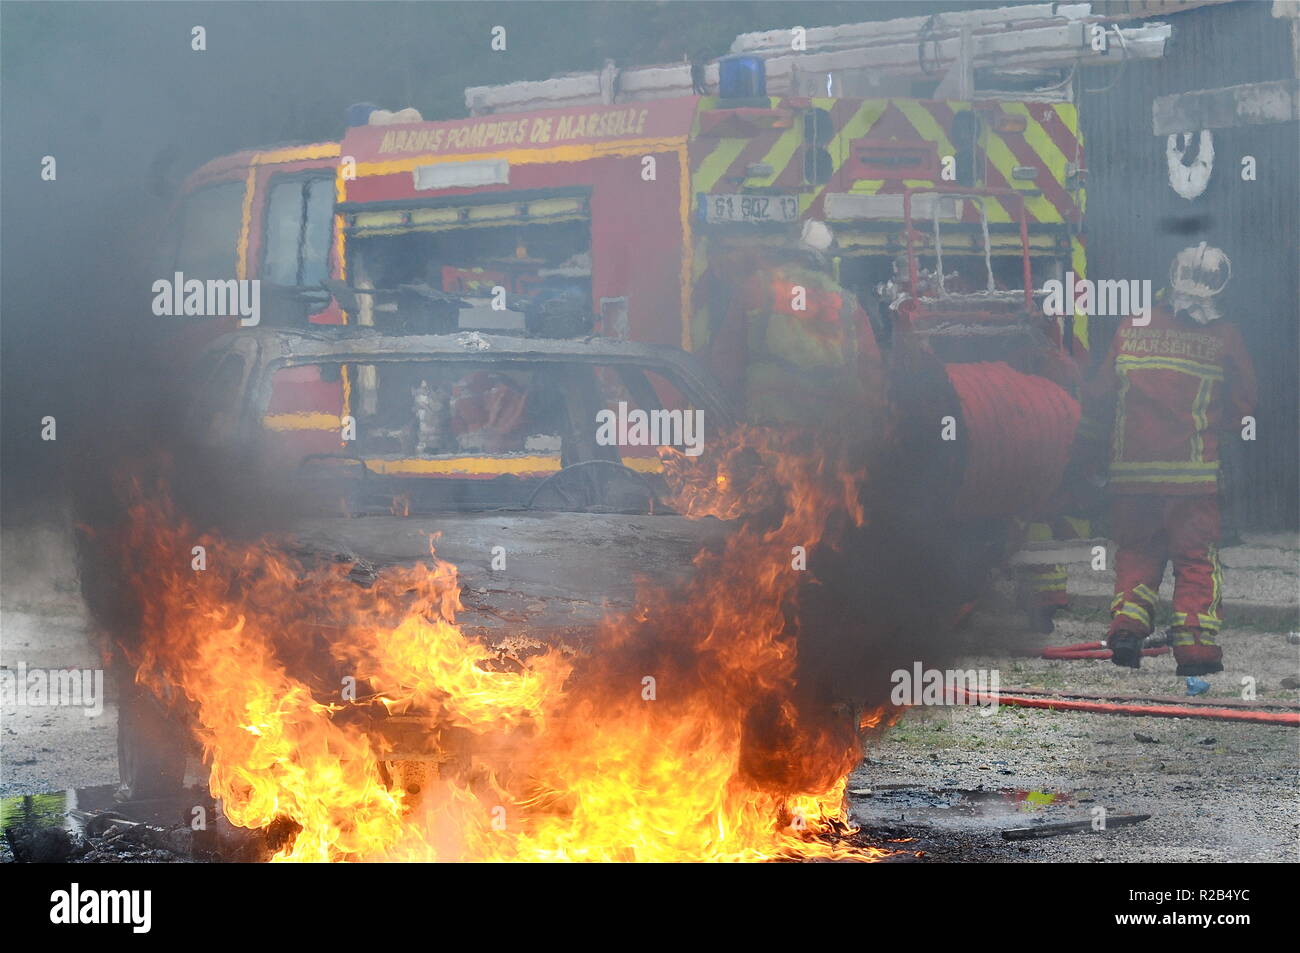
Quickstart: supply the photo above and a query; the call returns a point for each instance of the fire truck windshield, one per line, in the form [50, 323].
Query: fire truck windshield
[472, 276]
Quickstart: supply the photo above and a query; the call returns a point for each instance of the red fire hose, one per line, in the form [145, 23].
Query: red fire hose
[1097, 650]
[1152, 711]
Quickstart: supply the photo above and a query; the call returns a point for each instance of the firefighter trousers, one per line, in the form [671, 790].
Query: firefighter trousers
[1151, 531]
[1044, 587]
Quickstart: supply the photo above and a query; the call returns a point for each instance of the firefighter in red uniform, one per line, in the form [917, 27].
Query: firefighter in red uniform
[1174, 384]
[792, 346]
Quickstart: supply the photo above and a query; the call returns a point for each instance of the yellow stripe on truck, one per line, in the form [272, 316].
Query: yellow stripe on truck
[473, 465]
[1079, 265]
[582, 152]
[644, 464]
[318, 150]
[301, 421]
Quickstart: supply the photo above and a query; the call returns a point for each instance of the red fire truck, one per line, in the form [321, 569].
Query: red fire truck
[614, 210]
[597, 202]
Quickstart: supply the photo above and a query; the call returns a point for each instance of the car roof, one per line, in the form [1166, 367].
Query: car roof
[276, 348]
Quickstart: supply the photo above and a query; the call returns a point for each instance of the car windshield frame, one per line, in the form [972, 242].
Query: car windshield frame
[678, 369]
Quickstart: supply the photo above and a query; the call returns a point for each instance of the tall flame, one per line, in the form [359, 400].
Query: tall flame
[677, 737]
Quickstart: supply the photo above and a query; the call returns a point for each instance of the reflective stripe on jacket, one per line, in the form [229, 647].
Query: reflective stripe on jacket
[1174, 386]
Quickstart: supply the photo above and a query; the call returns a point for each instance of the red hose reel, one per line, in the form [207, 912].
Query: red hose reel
[1018, 429]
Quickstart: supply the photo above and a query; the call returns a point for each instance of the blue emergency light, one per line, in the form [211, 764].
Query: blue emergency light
[358, 114]
[741, 77]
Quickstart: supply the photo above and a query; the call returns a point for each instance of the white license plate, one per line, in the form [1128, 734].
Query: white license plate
[729, 207]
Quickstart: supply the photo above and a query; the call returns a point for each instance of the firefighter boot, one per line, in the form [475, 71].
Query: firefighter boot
[1196, 652]
[1126, 648]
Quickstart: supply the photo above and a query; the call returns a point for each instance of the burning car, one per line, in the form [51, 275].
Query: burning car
[486, 443]
[490, 619]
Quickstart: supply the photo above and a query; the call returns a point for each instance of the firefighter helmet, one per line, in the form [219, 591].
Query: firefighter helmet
[816, 236]
[1196, 275]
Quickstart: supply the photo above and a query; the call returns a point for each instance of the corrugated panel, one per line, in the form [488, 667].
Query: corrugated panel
[1136, 222]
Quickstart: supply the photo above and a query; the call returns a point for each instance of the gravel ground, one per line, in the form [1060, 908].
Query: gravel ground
[43, 623]
[1216, 791]
[945, 779]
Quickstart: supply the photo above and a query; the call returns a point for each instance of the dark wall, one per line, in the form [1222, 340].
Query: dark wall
[1136, 222]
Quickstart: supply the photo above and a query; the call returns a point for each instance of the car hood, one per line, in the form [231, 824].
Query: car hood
[563, 571]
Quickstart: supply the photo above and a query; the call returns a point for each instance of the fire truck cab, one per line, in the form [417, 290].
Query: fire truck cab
[260, 214]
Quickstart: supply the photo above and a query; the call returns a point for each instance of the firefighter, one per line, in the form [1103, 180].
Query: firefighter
[1174, 384]
[791, 345]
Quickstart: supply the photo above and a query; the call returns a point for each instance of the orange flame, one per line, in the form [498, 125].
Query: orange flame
[674, 739]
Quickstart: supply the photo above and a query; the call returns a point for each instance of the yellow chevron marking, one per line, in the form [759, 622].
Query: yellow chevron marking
[928, 128]
[1043, 147]
[710, 170]
[779, 156]
[1068, 113]
[1001, 158]
[856, 127]
[1000, 154]
[925, 124]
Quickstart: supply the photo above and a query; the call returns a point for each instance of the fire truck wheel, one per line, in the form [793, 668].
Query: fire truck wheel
[150, 756]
